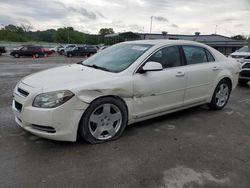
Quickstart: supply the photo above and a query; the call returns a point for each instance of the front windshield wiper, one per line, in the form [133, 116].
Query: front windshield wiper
[96, 67]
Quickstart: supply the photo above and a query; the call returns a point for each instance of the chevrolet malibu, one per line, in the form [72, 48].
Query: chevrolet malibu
[126, 83]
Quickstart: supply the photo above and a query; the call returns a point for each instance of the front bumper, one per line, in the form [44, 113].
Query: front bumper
[59, 123]
[244, 74]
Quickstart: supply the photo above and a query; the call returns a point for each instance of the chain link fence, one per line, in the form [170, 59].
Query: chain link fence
[12, 45]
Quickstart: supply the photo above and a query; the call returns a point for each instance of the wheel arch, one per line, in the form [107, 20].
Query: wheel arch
[230, 82]
[100, 97]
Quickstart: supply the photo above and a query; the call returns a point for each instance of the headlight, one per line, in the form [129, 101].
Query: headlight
[52, 99]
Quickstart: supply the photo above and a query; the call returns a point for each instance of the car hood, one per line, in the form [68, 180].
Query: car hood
[240, 54]
[66, 77]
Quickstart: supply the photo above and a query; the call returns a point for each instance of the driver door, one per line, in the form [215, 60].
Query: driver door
[158, 91]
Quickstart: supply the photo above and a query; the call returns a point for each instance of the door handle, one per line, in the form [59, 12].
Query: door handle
[179, 74]
[215, 68]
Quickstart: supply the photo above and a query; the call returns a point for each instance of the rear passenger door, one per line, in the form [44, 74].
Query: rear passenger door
[24, 51]
[201, 69]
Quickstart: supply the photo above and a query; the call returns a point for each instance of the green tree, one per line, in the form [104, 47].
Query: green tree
[13, 28]
[105, 31]
[239, 37]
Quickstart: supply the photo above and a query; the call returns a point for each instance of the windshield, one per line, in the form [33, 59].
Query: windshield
[19, 48]
[118, 57]
[244, 49]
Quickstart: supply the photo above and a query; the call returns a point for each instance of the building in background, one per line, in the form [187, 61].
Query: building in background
[223, 44]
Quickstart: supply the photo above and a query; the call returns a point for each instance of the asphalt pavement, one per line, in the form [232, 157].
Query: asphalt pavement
[191, 148]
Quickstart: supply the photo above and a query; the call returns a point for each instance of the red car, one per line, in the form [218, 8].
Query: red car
[47, 51]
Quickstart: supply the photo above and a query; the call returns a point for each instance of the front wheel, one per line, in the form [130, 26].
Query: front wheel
[104, 120]
[16, 55]
[221, 95]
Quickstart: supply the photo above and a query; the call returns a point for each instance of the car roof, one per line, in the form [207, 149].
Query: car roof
[164, 42]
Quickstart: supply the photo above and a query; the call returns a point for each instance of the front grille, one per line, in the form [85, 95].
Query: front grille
[245, 73]
[18, 106]
[44, 128]
[22, 92]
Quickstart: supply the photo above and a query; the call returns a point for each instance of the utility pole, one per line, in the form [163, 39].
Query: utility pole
[151, 23]
[248, 41]
[216, 29]
[68, 35]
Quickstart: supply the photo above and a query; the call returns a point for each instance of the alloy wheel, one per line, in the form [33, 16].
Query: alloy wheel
[222, 95]
[105, 121]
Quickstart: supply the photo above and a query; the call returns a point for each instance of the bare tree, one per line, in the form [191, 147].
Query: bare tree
[26, 27]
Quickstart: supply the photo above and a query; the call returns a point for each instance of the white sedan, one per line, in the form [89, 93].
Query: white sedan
[126, 83]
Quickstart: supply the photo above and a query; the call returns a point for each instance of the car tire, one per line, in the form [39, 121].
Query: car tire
[104, 120]
[221, 95]
[243, 82]
[0, 53]
[16, 55]
[36, 55]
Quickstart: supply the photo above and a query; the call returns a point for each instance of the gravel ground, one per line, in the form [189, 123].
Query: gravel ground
[190, 148]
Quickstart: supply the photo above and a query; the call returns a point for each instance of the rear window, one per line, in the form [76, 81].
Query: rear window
[194, 55]
[210, 57]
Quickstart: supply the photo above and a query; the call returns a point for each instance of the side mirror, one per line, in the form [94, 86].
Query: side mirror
[152, 66]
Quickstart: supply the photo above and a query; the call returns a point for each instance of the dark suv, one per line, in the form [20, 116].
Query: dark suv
[81, 51]
[2, 50]
[28, 50]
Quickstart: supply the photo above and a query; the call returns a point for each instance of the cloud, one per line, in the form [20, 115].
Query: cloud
[100, 14]
[84, 12]
[232, 17]
[174, 25]
[160, 18]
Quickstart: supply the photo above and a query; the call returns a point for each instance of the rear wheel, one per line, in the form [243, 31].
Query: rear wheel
[104, 120]
[0, 53]
[221, 95]
[16, 55]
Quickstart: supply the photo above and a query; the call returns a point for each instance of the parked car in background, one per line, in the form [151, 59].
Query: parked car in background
[47, 51]
[57, 48]
[102, 48]
[244, 76]
[2, 50]
[126, 83]
[241, 53]
[81, 51]
[67, 47]
[28, 50]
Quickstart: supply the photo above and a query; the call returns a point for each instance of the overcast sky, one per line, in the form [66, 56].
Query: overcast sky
[173, 16]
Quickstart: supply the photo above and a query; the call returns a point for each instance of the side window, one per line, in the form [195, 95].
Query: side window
[168, 57]
[194, 55]
[31, 48]
[24, 48]
[209, 56]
